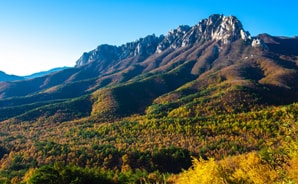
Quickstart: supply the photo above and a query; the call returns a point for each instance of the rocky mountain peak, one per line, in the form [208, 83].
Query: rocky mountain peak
[217, 27]
[224, 28]
[143, 46]
[102, 52]
[220, 28]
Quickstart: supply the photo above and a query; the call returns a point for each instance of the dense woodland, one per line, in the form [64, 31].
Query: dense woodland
[258, 146]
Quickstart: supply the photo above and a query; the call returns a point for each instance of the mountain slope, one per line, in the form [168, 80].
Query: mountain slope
[215, 54]
[134, 112]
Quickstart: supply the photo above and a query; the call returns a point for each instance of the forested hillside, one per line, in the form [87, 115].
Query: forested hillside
[202, 104]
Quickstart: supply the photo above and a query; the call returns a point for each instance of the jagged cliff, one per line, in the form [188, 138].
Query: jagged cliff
[223, 29]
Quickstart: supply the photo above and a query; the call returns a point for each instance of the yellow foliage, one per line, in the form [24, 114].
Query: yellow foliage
[180, 112]
[15, 180]
[202, 172]
[292, 170]
[250, 169]
[247, 168]
[28, 175]
[292, 165]
[103, 102]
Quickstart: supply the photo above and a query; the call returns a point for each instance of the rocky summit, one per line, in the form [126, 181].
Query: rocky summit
[220, 28]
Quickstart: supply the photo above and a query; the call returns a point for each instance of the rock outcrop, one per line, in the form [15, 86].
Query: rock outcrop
[222, 29]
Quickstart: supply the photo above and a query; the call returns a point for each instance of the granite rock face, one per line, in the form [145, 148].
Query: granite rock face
[219, 28]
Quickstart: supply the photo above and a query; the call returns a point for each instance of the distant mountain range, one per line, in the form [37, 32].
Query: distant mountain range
[39, 74]
[216, 53]
[7, 77]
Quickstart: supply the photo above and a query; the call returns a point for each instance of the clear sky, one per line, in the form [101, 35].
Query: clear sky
[37, 35]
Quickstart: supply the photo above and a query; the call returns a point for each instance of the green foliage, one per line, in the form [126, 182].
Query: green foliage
[45, 174]
[171, 160]
[66, 175]
[59, 112]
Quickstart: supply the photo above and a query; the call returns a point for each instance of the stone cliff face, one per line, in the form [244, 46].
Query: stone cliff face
[219, 28]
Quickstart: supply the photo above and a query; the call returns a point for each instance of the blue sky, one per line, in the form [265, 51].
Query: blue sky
[37, 35]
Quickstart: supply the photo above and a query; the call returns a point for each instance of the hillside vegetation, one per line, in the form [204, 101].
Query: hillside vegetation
[187, 107]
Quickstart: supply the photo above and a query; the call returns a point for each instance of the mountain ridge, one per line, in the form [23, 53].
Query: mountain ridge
[6, 77]
[217, 46]
[217, 27]
[42, 73]
[142, 111]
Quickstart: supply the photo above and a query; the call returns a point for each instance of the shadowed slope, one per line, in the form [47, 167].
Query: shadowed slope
[215, 63]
